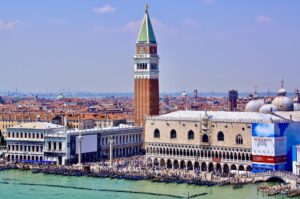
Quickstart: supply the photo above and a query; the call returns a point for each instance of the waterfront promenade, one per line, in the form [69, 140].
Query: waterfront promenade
[135, 168]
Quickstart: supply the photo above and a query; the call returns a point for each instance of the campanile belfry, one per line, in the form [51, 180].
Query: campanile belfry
[146, 73]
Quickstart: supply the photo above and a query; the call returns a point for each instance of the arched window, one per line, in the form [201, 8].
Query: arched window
[204, 138]
[220, 136]
[239, 139]
[156, 133]
[173, 134]
[191, 135]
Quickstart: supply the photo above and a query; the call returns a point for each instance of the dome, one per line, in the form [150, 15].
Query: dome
[183, 94]
[297, 97]
[254, 105]
[60, 96]
[267, 108]
[296, 100]
[281, 92]
[283, 103]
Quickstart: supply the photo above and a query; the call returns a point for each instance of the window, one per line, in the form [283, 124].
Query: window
[173, 134]
[153, 66]
[239, 139]
[191, 135]
[220, 136]
[156, 133]
[142, 66]
[204, 138]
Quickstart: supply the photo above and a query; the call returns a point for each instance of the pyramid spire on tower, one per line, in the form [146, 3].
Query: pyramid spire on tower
[146, 34]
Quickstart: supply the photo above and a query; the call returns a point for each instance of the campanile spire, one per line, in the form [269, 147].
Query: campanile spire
[146, 73]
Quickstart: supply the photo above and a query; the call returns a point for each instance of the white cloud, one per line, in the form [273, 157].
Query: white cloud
[57, 21]
[132, 26]
[104, 9]
[161, 26]
[8, 25]
[263, 19]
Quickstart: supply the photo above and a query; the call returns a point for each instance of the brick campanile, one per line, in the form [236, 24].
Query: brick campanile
[146, 73]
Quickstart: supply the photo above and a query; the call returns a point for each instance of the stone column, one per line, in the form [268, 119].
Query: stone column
[172, 162]
[79, 148]
[110, 140]
[52, 145]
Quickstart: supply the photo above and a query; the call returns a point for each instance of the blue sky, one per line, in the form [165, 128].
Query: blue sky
[88, 45]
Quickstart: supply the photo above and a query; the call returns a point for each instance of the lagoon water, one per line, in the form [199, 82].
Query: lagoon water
[15, 184]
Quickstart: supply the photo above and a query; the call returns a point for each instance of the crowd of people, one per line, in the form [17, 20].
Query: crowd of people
[137, 167]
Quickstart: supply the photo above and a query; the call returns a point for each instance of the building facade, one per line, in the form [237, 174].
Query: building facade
[220, 141]
[26, 142]
[127, 141]
[42, 142]
[146, 73]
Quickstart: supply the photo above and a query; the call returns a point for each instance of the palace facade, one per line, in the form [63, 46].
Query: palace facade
[217, 141]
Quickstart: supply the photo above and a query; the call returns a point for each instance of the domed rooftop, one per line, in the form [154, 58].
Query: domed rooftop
[60, 96]
[281, 92]
[282, 102]
[254, 105]
[183, 94]
[267, 108]
[297, 97]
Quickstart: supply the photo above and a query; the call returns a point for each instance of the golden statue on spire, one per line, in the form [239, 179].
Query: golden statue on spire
[147, 6]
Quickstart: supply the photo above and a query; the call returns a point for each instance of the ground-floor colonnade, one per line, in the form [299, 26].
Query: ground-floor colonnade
[197, 165]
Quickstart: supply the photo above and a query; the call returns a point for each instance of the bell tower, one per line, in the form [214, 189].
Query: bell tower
[146, 73]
